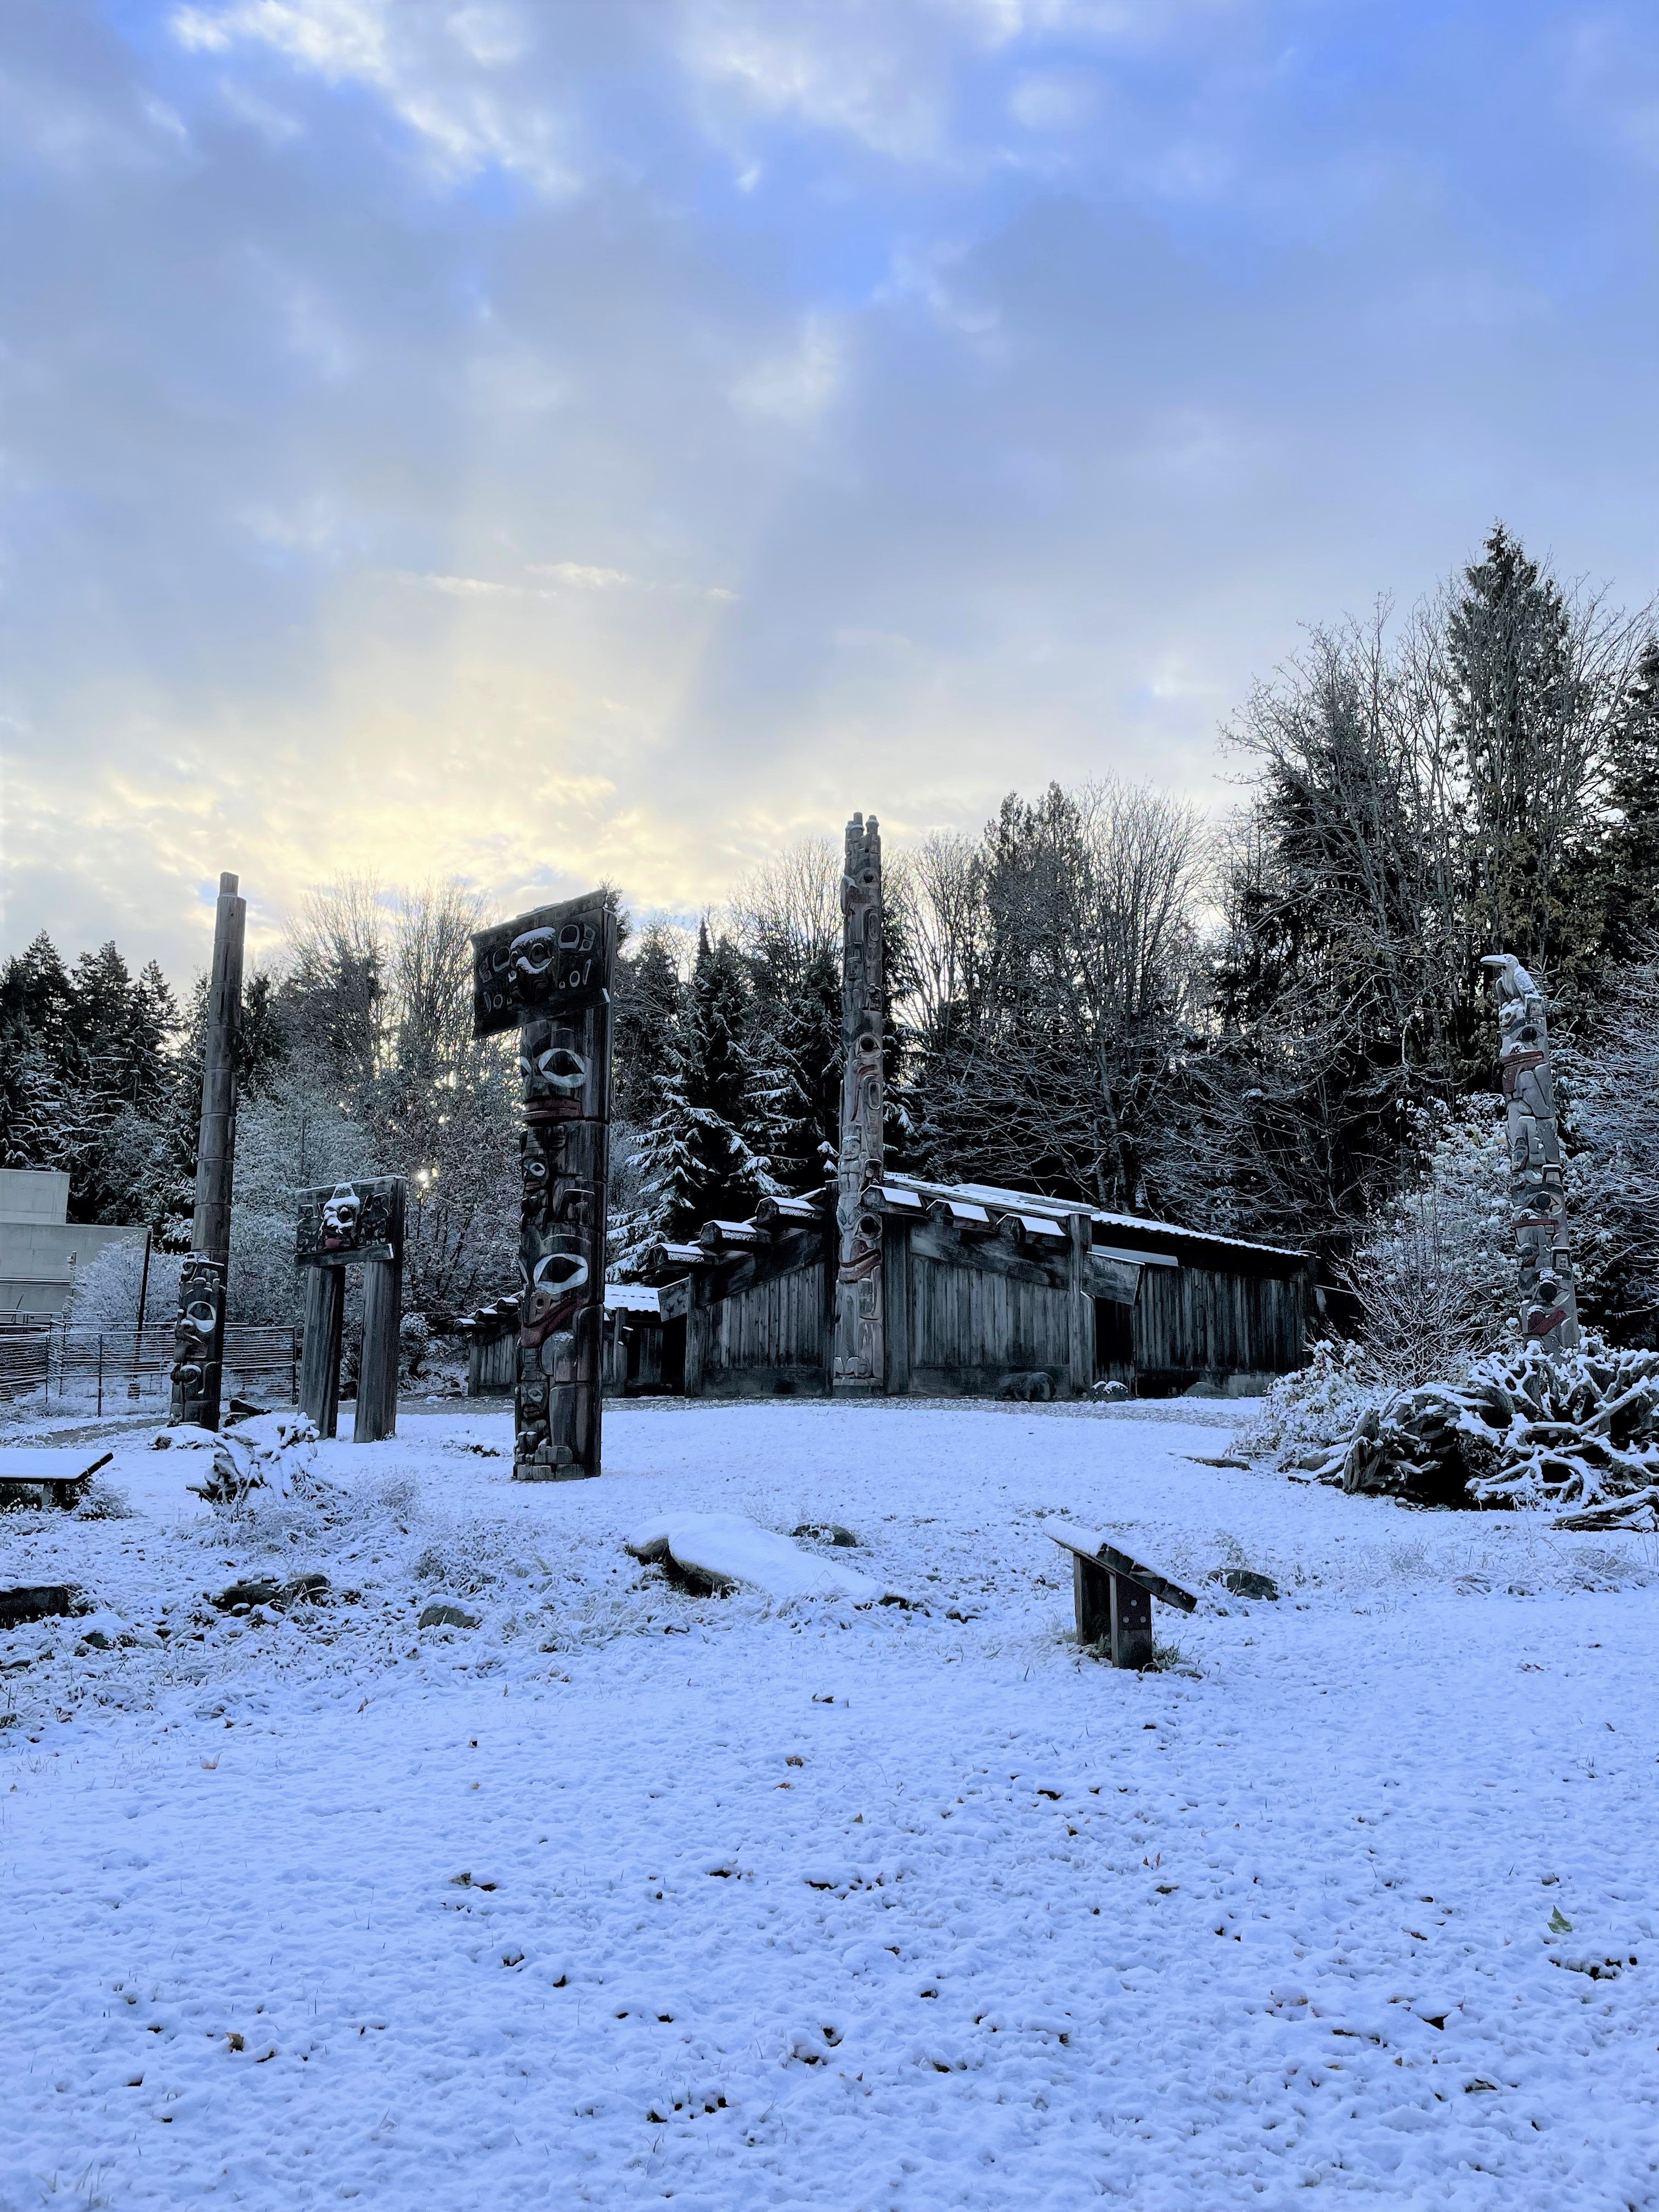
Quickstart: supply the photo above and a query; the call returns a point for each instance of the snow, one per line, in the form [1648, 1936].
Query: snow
[631, 1896]
[727, 1548]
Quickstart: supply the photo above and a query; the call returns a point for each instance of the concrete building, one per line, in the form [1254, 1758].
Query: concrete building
[41, 1250]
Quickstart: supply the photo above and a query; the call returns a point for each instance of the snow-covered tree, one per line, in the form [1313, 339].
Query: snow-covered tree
[1435, 1275]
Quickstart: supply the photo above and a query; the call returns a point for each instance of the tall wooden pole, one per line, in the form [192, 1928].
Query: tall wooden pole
[548, 973]
[198, 1371]
[860, 1354]
[1549, 1299]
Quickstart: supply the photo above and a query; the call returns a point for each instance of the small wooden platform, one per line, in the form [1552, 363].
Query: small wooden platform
[1114, 1594]
[45, 1474]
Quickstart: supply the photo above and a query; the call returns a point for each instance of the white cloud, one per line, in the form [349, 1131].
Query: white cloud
[800, 385]
[445, 74]
[582, 573]
[1052, 99]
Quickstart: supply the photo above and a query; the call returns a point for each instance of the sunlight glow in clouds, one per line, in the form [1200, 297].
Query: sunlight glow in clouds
[539, 443]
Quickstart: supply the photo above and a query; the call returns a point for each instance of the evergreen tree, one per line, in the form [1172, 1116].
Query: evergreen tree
[698, 1159]
[1631, 856]
[647, 1013]
[795, 1058]
[1523, 716]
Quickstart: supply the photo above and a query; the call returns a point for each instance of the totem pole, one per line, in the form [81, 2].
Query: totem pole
[340, 1225]
[199, 1332]
[549, 974]
[1549, 1311]
[859, 1358]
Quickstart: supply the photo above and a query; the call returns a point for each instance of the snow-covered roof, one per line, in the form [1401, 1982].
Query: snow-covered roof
[630, 1297]
[1026, 1202]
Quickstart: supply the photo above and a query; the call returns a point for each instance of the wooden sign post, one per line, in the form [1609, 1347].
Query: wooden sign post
[341, 1225]
[548, 974]
[197, 1371]
[860, 1355]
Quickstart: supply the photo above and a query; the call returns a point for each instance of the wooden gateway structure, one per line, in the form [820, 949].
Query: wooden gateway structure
[888, 1285]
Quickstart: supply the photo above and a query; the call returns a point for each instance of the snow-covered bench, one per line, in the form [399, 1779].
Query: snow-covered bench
[1114, 1594]
[45, 1474]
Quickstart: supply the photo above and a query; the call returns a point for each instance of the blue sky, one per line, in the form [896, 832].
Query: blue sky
[535, 440]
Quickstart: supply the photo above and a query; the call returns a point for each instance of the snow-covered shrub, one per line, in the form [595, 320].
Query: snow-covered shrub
[272, 1453]
[103, 1501]
[414, 1342]
[105, 1292]
[1436, 1275]
[1305, 1414]
[1580, 1430]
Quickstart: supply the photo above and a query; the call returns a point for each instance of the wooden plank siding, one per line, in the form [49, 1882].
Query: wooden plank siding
[978, 1312]
[770, 1340]
[966, 1312]
[761, 1322]
[1202, 1324]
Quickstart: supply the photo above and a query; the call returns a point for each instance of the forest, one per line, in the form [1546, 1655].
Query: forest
[1270, 1023]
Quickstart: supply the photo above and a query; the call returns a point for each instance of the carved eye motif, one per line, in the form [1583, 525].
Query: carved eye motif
[532, 953]
[562, 1070]
[560, 1271]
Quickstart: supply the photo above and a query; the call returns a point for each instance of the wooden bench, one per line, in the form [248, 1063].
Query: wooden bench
[1113, 1594]
[40, 1475]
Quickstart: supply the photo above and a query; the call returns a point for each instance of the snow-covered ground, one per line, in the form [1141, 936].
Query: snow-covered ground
[627, 1895]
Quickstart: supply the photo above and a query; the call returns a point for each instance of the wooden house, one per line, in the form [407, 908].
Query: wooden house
[632, 1363]
[984, 1293]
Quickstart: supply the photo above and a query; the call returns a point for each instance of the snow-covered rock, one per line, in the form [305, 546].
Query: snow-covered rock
[725, 1550]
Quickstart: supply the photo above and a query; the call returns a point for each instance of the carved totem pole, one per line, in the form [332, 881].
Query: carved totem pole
[549, 974]
[859, 1352]
[1549, 1310]
[340, 1225]
[199, 1332]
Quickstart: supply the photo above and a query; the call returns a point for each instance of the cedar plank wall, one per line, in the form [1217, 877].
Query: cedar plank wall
[978, 1311]
[1200, 1321]
[766, 1321]
[963, 1314]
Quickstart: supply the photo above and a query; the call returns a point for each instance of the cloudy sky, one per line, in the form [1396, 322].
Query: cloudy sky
[536, 439]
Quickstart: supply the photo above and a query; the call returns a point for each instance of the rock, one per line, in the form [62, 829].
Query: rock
[828, 1532]
[1245, 1582]
[257, 1592]
[447, 1616]
[305, 1590]
[39, 1602]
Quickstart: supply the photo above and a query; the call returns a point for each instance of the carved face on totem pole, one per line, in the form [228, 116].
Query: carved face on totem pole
[1549, 1304]
[555, 1074]
[547, 973]
[196, 1333]
[341, 1219]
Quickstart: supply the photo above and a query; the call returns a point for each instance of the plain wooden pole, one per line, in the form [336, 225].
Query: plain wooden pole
[215, 1150]
[320, 1357]
[377, 1370]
